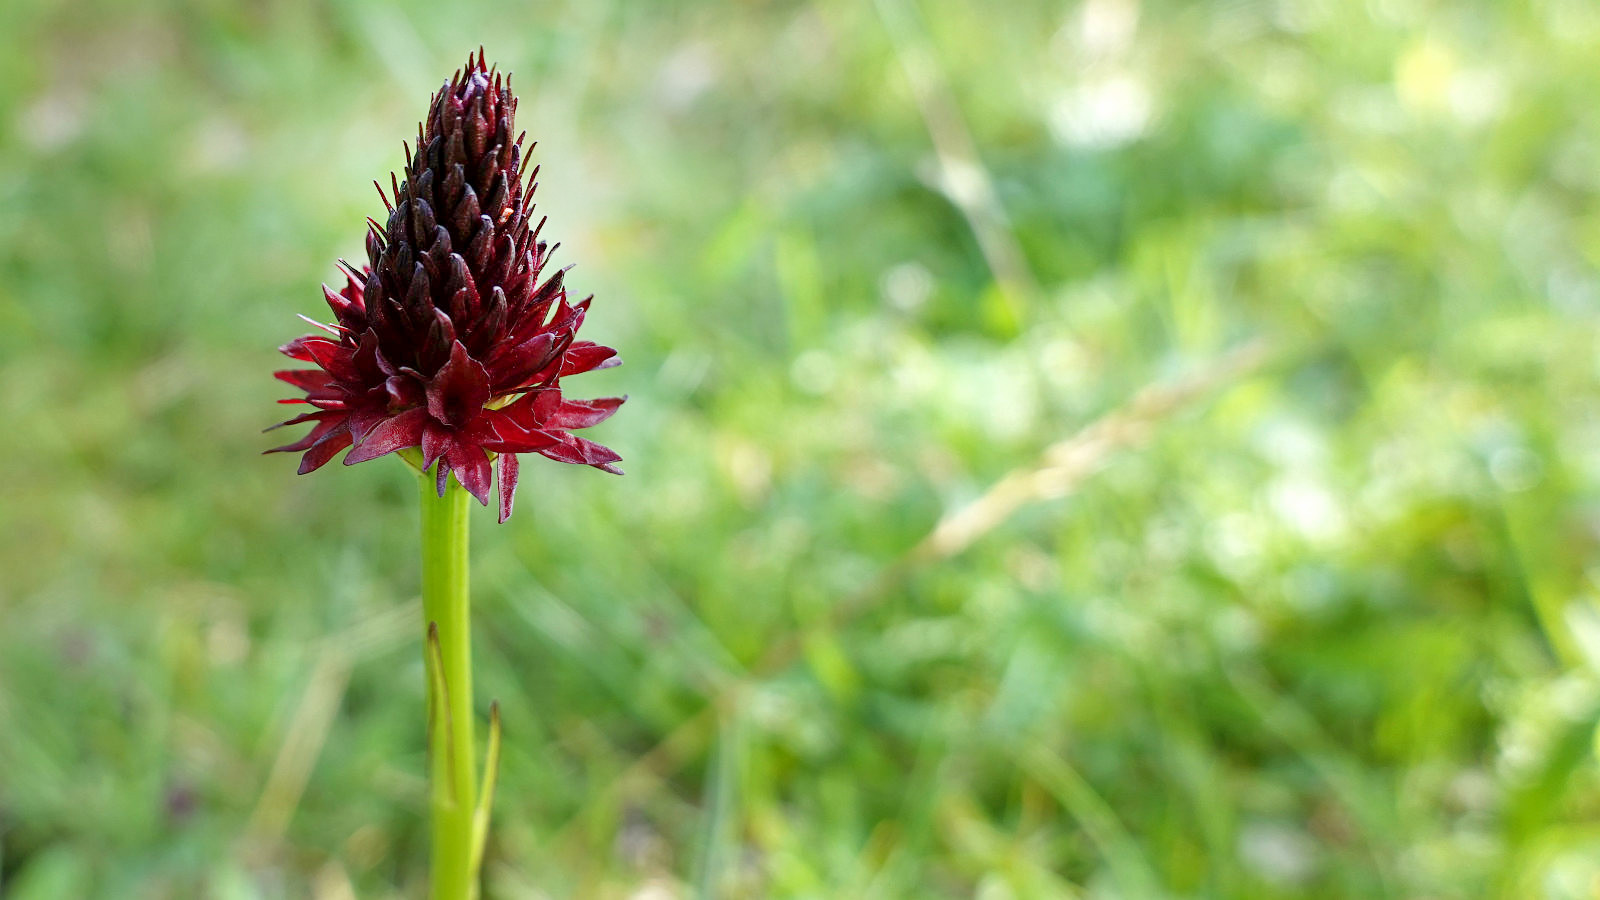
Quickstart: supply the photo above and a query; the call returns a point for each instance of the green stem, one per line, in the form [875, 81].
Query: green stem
[447, 614]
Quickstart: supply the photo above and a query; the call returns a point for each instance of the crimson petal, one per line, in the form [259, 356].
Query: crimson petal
[579, 451]
[326, 448]
[572, 414]
[338, 359]
[508, 484]
[471, 466]
[404, 430]
[325, 424]
[309, 380]
[300, 348]
[459, 389]
[436, 440]
[513, 367]
[404, 390]
[317, 416]
[362, 420]
[586, 356]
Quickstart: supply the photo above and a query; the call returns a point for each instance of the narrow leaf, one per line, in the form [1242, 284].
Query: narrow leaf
[443, 763]
[491, 774]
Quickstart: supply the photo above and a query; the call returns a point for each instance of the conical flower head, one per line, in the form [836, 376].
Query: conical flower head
[450, 339]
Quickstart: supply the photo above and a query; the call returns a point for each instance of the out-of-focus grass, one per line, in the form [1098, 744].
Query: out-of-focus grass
[1327, 629]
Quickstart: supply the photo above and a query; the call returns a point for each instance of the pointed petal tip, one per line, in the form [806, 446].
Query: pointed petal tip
[472, 467]
[509, 466]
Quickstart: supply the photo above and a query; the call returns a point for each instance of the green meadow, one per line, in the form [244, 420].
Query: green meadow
[1108, 449]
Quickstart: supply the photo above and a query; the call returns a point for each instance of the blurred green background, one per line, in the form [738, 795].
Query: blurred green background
[1311, 612]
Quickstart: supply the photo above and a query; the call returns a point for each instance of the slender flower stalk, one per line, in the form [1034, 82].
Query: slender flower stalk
[446, 607]
[448, 347]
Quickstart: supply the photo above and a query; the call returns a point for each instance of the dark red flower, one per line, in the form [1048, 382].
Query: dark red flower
[447, 340]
